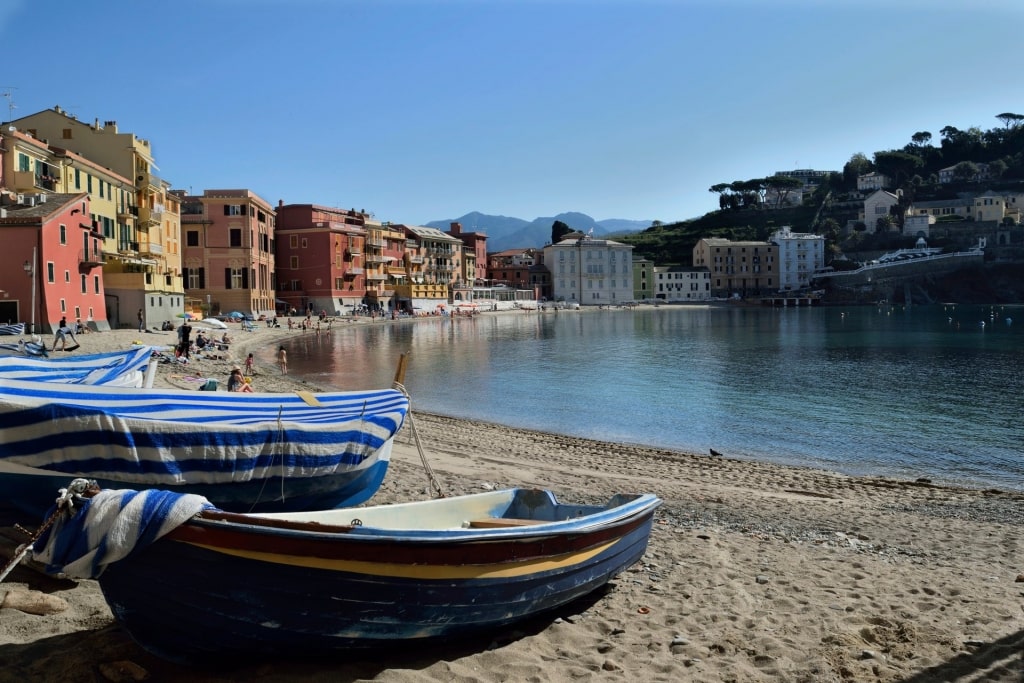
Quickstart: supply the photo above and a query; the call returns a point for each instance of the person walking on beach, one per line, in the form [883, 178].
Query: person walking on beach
[142, 321]
[186, 339]
[249, 363]
[282, 360]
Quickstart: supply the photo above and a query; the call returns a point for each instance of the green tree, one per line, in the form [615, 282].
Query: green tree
[897, 165]
[1010, 120]
[965, 171]
[558, 231]
[858, 165]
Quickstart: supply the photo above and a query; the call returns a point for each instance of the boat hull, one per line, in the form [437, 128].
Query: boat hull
[228, 592]
[33, 491]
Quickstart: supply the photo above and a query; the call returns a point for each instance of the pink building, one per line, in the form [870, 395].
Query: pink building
[476, 245]
[55, 262]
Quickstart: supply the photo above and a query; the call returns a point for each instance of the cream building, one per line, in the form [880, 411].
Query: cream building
[800, 255]
[591, 272]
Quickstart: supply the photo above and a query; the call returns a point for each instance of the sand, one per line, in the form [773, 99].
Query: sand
[755, 572]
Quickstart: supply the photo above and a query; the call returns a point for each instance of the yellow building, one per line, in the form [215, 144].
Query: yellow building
[738, 268]
[139, 219]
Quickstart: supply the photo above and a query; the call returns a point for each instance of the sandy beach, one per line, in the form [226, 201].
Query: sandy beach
[755, 572]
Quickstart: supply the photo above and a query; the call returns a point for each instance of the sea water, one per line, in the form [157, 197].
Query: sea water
[909, 392]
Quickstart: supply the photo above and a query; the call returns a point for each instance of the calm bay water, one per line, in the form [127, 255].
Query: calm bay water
[912, 392]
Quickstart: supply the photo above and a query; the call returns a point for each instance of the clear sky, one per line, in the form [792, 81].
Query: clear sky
[421, 110]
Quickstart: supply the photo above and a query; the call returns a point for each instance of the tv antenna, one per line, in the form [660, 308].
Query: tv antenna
[7, 92]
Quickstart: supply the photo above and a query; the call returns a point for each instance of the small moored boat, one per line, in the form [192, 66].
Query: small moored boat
[243, 451]
[297, 584]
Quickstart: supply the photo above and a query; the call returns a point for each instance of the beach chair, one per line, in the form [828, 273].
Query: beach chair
[248, 326]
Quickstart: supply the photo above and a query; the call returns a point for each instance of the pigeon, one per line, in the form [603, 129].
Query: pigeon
[714, 452]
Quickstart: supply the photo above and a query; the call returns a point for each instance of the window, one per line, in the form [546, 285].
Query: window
[236, 237]
[95, 286]
[85, 285]
[66, 134]
[293, 263]
[234, 210]
[192, 238]
[293, 241]
[50, 273]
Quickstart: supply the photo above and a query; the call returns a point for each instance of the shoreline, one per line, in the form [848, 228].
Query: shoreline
[755, 571]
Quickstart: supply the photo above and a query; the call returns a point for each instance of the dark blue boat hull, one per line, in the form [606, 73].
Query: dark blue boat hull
[188, 603]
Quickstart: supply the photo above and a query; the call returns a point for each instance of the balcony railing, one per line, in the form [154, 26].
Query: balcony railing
[376, 277]
[151, 248]
[91, 257]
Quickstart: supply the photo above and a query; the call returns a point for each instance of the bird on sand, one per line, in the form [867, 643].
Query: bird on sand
[714, 452]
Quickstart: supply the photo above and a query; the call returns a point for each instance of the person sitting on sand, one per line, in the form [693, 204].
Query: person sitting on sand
[236, 382]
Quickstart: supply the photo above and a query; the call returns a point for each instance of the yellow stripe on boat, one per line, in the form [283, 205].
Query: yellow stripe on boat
[422, 571]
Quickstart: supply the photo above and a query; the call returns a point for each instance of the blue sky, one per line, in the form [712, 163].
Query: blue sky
[421, 110]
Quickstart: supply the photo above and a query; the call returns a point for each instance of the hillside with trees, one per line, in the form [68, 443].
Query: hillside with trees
[752, 209]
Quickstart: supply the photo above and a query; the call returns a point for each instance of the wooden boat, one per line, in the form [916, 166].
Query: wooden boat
[16, 329]
[129, 368]
[243, 451]
[297, 584]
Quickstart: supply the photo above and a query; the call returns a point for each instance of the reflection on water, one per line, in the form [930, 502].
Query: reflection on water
[925, 391]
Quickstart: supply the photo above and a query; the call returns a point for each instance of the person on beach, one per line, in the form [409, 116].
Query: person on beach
[282, 360]
[236, 382]
[249, 363]
[142, 321]
[185, 333]
[62, 334]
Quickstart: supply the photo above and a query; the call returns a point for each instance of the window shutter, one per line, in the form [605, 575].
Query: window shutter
[245, 278]
[184, 277]
[227, 210]
[202, 278]
[227, 278]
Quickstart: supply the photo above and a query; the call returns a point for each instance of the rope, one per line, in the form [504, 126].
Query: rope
[273, 456]
[431, 479]
[65, 501]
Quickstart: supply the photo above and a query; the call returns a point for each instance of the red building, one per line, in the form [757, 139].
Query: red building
[321, 262]
[51, 237]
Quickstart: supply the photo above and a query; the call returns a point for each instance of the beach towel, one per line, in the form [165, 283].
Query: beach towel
[109, 526]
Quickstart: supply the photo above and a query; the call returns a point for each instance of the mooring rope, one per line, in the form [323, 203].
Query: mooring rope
[65, 501]
[431, 478]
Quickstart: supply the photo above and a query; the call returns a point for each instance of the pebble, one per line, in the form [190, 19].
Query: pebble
[34, 602]
[761, 578]
[123, 671]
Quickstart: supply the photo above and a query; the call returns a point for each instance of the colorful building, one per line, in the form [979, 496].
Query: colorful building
[228, 260]
[61, 259]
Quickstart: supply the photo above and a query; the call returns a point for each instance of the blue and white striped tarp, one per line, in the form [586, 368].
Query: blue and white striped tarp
[108, 526]
[121, 368]
[151, 438]
[23, 348]
[12, 329]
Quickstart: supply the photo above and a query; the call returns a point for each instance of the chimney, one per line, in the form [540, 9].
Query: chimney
[456, 228]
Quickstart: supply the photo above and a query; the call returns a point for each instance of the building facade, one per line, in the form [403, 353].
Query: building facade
[229, 262]
[800, 256]
[591, 272]
[61, 263]
[133, 209]
[738, 269]
[681, 284]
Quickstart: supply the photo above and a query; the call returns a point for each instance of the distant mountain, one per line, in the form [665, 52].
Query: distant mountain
[504, 232]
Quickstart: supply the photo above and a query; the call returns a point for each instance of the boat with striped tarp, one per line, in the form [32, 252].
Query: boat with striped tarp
[15, 329]
[243, 451]
[133, 367]
[235, 586]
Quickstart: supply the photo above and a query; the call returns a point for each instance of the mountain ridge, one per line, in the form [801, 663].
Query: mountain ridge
[508, 232]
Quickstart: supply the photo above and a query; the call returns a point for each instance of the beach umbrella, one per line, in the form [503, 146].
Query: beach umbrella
[235, 314]
[186, 316]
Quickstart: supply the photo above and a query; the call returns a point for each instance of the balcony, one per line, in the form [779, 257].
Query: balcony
[91, 257]
[352, 272]
[151, 248]
[145, 180]
[127, 211]
[376, 277]
[416, 258]
[151, 216]
[353, 251]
